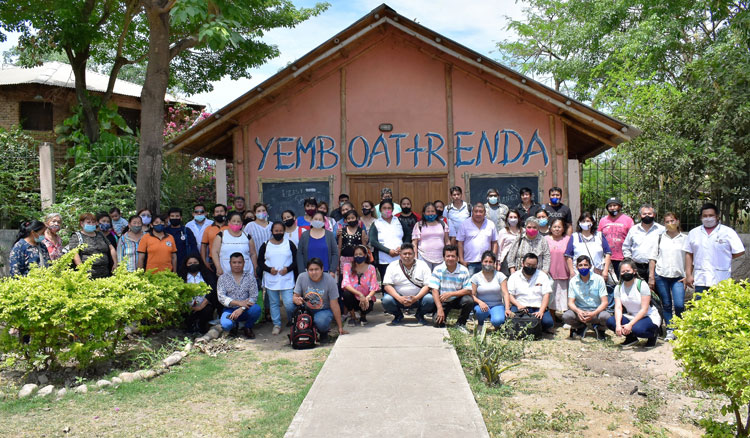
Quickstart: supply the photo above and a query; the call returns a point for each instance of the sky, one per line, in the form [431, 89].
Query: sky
[477, 24]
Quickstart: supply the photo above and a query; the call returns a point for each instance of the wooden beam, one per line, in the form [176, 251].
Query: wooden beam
[588, 132]
[342, 143]
[228, 134]
[449, 124]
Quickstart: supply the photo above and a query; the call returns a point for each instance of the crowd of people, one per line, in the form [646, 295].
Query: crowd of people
[485, 259]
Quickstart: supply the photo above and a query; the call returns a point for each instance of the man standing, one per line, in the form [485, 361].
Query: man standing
[239, 205]
[407, 218]
[387, 193]
[456, 212]
[450, 284]
[527, 208]
[641, 240]
[183, 237]
[709, 251]
[405, 286]
[496, 211]
[199, 223]
[556, 209]
[207, 241]
[337, 214]
[615, 227]
[475, 236]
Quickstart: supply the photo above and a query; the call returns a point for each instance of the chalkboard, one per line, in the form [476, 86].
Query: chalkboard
[288, 195]
[507, 185]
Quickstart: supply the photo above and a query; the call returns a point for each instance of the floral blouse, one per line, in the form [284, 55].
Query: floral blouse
[365, 284]
[24, 254]
[54, 247]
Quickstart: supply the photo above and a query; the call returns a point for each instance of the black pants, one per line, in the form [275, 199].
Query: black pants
[465, 304]
[642, 269]
[199, 320]
[352, 303]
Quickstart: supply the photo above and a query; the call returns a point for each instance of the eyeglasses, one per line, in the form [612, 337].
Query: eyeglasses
[199, 211]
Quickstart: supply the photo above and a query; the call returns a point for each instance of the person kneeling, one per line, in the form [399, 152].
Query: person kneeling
[238, 293]
[587, 299]
[405, 286]
[451, 289]
[320, 295]
[529, 290]
[490, 291]
[633, 296]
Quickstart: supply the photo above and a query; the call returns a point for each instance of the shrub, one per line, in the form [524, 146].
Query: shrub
[19, 177]
[60, 315]
[713, 344]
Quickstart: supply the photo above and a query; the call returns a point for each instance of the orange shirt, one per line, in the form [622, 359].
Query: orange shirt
[210, 234]
[159, 252]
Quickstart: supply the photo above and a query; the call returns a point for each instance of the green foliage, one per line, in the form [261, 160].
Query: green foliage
[76, 200]
[484, 354]
[150, 357]
[69, 317]
[19, 177]
[560, 420]
[713, 345]
[648, 412]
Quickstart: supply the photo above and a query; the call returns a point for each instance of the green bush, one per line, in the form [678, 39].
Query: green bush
[57, 315]
[19, 177]
[713, 345]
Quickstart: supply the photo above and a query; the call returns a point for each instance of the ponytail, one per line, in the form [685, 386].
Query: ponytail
[26, 227]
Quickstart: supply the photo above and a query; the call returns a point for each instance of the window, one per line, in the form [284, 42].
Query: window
[36, 116]
[132, 118]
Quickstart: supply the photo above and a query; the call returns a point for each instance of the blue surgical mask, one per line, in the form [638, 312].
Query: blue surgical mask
[584, 271]
[146, 220]
[200, 217]
[430, 217]
[159, 228]
[543, 222]
[105, 226]
[492, 200]
[39, 238]
[317, 224]
[554, 200]
[359, 259]
[89, 228]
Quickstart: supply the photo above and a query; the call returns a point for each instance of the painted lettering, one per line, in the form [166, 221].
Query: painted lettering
[351, 151]
[432, 151]
[279, 154]
[398, 138]
[264, 151]
[416, 149]
[508, 133]
[530, 152]
[485, 142]
[330, 150]
[302, 149]
[459, 148]
[383, 143]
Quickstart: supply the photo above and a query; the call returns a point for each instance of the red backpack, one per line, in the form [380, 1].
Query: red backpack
[303, 333]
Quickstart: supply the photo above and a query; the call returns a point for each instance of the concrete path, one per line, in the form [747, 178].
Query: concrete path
[390, 381]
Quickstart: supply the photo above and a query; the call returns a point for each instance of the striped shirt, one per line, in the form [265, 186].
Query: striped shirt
[445, 281]
[127, 252]
[259, 234]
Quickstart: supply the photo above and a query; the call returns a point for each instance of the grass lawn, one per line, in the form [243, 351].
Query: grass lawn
[251, 392]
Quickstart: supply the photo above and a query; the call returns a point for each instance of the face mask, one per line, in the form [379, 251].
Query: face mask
[613, 212]
[262, 215]
[492, 200]
[278, 236]
[366, 211]
[310, 211]
[488, 268]
[194, 268]
[159, 228]
[513, 222]
[554, 200]
[353, 223]
[439, 212]
[341, 204]
[430, 217]
[647, 220]
[585, 225]
[235, 227]
[359, 259]
[136, 229]
[54, 228]
[387, 214]
[709, 222]
[406, 210]
[89, 228]
[105, 226]
[200, 217]
[529, 270]
[532, 232]
[175, 222]
[317, 224]
[289, 222]
[220, 218]
[39, 239]
[246, 221]
[671, 227]
[543, 222]
[146, 220]
[584, 271]
[627, 276]
[325, 213]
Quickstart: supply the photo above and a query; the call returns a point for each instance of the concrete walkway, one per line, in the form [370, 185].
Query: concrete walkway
[390, 381]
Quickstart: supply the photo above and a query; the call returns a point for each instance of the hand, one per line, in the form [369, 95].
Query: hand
[689, 280]
[236, 314]
[444, 297]
[619, 331]
[219, 271]
[581, 315]
[627, 329]
[298, 300]
[404, 301]
[274, 271]
[538, 315]
[114, 267]
[484, 307]
[342, 331]
[521, 308]
[393, 252]
[498, 265]
[333, 274]
[509, 313]
[440, 316]
[411, 300]
[652, 283]
[283, 271]
[364, 304]
[338, 232]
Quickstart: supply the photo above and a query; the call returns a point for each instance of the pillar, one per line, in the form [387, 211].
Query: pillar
[47, 174]
[221, 181]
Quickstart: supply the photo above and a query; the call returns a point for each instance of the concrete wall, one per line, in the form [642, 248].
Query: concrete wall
[7, 238]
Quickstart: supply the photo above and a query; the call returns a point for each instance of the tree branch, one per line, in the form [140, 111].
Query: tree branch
[168, 7]
[182, 45]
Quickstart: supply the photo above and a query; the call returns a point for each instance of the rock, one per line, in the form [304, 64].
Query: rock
[116, 380]
[202, 339]
[127, 377]
[172, 359]
[42, 379]
[62, 392]
[27, 390]
[103, 383]
[213, 334]
[82, 389]
[47, 390]
[188, 347]
[146, 374]
[161, 371]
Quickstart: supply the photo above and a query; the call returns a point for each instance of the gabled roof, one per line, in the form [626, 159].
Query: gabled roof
[591, 131]
[58, 74]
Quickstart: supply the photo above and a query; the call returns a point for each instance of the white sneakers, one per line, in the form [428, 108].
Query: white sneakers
[670, 335]
[276, 330]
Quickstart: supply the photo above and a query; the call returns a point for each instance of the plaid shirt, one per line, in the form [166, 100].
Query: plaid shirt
[444, 281]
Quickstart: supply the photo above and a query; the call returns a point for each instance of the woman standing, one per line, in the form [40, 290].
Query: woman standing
[530, 242]
[429, 237]
[96, 243]
[194, 271]
[105, 226]
[291, 229]
[506, 238]
[27, 249]
[668, 264]
[489, 287]
[330, 223]
[259, 229]
[543, 218]
[318, 242]
[146, 216]
[559, 269]
[157, 250]
[586, 241]
[277, 262]
[635, 317]
[368, 215]
[359, 282]
[351, 236]
[52, 240]
[386, 236]
[127, 246]
[230, 241]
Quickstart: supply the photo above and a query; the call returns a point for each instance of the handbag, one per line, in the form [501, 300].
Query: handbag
[524, 324]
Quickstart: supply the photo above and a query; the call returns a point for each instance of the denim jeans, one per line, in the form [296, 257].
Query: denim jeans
[322, 319]
[474, 267]
[547, 321]
[672, 292]
[249, 317]
[496, 314]
[699, 290]
[644, 328]
[274, 300]
[423, 306]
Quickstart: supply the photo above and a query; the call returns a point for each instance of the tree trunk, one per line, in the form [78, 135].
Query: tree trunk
[148, 184]
[90, 111]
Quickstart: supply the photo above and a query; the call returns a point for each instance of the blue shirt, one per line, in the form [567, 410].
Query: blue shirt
[318, 248]
[184, 240]
[588, 294]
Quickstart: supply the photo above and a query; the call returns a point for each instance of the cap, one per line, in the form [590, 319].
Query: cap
[613, 201]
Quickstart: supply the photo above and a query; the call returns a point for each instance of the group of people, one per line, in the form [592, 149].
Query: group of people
[487, 259]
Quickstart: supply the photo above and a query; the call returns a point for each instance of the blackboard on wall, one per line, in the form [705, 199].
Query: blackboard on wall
[289, 195]
[507, 185]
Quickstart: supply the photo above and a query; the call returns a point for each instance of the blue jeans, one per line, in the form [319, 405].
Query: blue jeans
[644, 328]
[474, 267]
[670, 289]
[423, 306]
[322, 319]
[249, 317]
[274, 298]
[547, 321]
[496, 314]
[699, 290]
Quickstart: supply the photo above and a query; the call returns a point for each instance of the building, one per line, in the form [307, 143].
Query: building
[388, 102]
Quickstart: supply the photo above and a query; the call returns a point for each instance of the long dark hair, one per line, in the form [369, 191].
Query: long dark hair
[26, 227]
[208, 276]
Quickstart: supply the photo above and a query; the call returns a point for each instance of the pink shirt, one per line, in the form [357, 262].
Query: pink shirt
[558, 269]
[431, 241]
[365, 284]
[615, 230]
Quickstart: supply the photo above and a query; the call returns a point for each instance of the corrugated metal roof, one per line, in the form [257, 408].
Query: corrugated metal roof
[58, 74]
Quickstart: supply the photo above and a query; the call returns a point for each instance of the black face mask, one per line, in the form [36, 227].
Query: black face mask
[353, 223]
[278, 236]
[627, 276]
[647, 220]
[613, 212]
[195, 267]
[439, 212]
[366, 211]
[529, 270]
[246, 221]
[406, 210]
[175, 222]
[289, 222]
[219, 218]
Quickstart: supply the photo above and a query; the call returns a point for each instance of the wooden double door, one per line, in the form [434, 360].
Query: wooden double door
[419, 188]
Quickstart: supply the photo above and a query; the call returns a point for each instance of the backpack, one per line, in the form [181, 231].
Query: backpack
[523, 324]
[303, 333]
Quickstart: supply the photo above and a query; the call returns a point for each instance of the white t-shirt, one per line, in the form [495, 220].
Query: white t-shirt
[198, 229]
[489, 291]
[712, 253]
[391, 236]
[278, 257]
[669, 257]
[630, 296]
[529, 292]
[395, 277]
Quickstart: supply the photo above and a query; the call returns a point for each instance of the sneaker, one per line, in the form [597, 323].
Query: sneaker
[234, 332]
[574, 334]
[323, 337]
[629, 340]
[216, 321]
[566, 326]
[363, 320]
[651, 342]
[600, 333]
[276, 330]
[248, 332]
[670, 336]
[581, 332]
[422, 321]
[462, 328]
[397, 319]
[352, 322]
